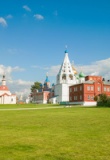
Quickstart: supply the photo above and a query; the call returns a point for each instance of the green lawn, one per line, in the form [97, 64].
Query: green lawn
[76, 133]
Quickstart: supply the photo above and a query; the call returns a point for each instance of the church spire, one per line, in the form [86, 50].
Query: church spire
[66, 49]
[66, 74]
[3, 80]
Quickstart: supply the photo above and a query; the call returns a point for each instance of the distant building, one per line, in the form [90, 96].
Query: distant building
[5, 95]
[44, 93]
[84, 93]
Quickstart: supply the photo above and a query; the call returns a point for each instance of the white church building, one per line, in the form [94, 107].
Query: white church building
[5, 95]
[66, 77]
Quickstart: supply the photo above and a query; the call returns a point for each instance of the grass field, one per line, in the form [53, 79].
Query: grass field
[76, 133]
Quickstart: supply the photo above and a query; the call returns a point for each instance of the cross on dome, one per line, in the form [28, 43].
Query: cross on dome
[66, 49]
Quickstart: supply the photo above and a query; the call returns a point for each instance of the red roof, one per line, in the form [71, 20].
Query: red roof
[4, 88]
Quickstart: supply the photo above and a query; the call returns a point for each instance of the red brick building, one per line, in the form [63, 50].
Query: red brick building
[84, 93]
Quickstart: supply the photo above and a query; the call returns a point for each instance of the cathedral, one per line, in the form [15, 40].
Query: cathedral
[5, 95]
[59, 92]
[66, 77]
[71, 87]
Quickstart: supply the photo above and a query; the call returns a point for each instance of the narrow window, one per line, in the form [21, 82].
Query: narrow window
[70, 89]
[88, 97]
[88, 88]
[80, 97]
[98, 88]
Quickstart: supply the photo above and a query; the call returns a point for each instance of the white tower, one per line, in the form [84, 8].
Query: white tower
[66, 73]
[64, 79]
[3, 81]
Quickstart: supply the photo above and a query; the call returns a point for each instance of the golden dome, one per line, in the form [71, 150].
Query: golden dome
[74, 70]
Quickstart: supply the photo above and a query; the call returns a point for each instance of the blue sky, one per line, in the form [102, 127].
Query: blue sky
[33, 35]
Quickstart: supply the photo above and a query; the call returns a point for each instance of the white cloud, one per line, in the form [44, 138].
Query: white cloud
[7, 70]
[20, 87]
[3, 22]
[38, 16]
[9, 16]
[101, 68]
[10, 69]
[22, 82]
[27, 8]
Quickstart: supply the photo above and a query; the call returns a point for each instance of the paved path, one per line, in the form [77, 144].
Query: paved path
[19, 109]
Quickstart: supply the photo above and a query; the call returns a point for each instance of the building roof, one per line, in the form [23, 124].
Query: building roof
[4, 88]
[81, 75]
[5, 94]
[106, 82]
[89, 82]
[66, 51]
[66, 67]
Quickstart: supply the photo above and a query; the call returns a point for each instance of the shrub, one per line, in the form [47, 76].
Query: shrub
[104, 100]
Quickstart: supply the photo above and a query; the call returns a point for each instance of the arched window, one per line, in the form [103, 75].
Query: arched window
[71, 77]
[64, 76]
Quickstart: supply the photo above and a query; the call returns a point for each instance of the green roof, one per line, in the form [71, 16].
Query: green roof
[81, 75]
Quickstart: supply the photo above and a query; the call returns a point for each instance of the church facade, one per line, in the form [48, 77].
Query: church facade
[5, 95]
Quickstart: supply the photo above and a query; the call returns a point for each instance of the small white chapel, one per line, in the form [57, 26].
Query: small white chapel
[5, 95]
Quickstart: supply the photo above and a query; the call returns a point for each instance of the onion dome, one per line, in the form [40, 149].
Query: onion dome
[74, 70]
[66, 51]
[81, 75]
[45, 84]
[41, 84]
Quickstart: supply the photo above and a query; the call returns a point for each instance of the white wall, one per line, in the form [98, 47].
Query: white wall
[62, 92]
[53, 100]
[8, 99]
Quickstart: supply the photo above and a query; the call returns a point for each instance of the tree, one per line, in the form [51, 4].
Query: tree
[96, 98]
[108, 102]
[35, 86]
[103, 98]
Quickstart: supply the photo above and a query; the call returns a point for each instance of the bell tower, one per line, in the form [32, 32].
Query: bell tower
[66, 73]
[65, 78]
